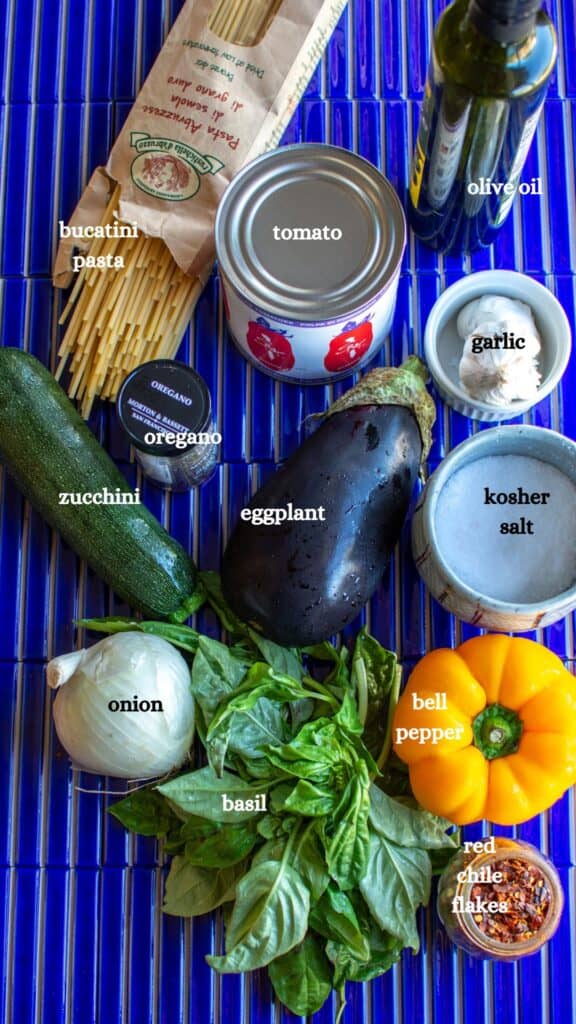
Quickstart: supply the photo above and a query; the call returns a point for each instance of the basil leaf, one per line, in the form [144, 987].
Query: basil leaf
[300, 712]
[348, 968]
[285, 660]
[373, 675]
[145, 812]
[194, 828]
[270, 917]
[253, 729]
[440, 859]
[228, 846]
[310, 864]
[191, 891]
[216, 673]
[246, 720]
[180, 636]
[384, 949]
[323, 651]
[334, 917]
[394, 779]
[311, 753]
[396, 883]
[306, 858]
[302, 978]
[309, 800]
[260, 681]
[270, 826]
[273, 849]
[408, 826]
[347, 849]
[202, 793]
[109, 624]
[347, 716]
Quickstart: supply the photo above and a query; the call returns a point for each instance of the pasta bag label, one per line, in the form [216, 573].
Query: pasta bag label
[167, 169]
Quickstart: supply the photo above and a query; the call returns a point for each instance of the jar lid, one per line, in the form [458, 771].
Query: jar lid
[163, 397]
[309, 231]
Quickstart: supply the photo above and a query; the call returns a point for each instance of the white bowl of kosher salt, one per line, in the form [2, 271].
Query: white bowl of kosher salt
[494, 531]
[503, 339]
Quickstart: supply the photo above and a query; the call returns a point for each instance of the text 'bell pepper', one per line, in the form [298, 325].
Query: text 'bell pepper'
[488, 730]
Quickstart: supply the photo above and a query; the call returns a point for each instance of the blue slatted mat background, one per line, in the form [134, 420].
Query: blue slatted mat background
[81, 929]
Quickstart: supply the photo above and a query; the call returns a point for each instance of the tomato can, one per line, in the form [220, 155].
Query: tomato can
[309, 241]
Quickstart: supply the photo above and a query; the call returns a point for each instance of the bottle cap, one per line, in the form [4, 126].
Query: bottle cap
[163, 397]
[505, 21]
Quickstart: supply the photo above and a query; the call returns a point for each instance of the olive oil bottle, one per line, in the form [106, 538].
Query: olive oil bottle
[489, 72]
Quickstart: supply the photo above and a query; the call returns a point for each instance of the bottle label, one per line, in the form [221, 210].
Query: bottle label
[417, 172]
[419, 158]
[447, 150]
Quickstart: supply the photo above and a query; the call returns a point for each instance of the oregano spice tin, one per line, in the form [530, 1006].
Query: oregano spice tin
[309, 241]
[165, 409]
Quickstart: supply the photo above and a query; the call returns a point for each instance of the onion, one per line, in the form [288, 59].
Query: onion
[124, 706]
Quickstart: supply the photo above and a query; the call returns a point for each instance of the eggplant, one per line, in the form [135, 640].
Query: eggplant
[301, 581]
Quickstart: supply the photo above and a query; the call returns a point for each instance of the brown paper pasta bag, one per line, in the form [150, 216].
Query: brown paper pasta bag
[220, 93]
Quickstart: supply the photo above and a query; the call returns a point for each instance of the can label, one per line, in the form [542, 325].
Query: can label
[305, 351]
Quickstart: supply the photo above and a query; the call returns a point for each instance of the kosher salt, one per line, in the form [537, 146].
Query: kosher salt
[506, 527]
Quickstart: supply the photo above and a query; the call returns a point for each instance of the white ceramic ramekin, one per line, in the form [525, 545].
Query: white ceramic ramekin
[443, 346]
[465, 603]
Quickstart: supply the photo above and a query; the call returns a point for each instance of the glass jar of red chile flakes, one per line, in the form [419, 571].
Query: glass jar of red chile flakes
[502, 903]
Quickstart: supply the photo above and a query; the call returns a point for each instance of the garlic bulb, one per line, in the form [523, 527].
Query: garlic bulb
[495, 308]
[124, 706]
[507, 373]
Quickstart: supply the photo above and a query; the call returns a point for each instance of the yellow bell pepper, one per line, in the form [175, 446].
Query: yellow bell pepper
[488, 730]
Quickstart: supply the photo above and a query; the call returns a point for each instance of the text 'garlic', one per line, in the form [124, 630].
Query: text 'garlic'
[124, 706]
[499, 363]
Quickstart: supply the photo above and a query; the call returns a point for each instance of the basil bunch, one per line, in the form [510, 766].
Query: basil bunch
[323, 886]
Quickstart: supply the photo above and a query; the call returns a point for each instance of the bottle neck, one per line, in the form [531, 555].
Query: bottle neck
[504, 21]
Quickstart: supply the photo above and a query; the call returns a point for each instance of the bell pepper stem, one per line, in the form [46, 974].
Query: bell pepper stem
[497, 731]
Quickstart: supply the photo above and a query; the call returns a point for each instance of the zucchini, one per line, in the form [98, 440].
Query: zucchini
[49, 450]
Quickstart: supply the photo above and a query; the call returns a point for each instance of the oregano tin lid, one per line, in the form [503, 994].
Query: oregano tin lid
[310, 231]
[163, 397]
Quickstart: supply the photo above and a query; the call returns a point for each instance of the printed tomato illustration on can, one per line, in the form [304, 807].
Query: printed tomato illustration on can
[349, 346]
[269, 345]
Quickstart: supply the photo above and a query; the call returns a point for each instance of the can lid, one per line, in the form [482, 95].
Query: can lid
[163, 397]
[309, 231]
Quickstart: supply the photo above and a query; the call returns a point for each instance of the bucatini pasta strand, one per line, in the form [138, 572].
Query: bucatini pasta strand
[116, 322]
[243, 22]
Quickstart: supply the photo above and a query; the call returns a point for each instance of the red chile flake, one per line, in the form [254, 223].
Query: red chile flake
[526, 893]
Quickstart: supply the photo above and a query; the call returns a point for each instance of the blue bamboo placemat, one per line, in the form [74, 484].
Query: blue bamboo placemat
[81, 929]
